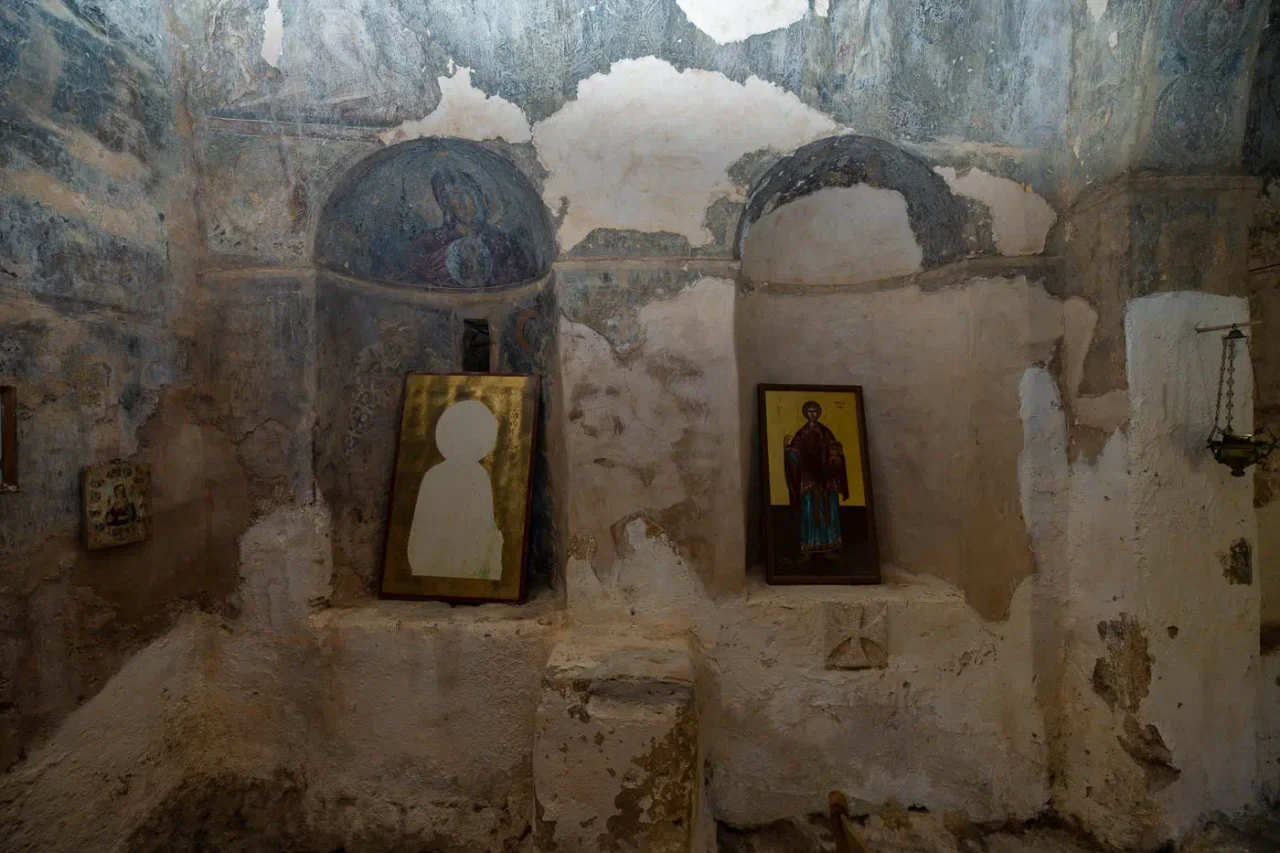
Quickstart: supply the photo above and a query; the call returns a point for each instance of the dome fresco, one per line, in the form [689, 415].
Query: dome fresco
[437, 214]
[936, 216]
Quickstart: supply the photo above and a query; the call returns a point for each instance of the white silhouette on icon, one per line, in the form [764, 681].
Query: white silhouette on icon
[454, 534]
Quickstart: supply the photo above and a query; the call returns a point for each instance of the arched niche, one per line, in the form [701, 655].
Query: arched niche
[438, 214]
[426, 217]
[847, 209]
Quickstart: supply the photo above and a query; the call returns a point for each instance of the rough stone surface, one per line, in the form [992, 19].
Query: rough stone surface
[916, 831]
[650, 412]
[942, 422]
[615, 756]
[288, 724]
[856, 636]
[1057, 638]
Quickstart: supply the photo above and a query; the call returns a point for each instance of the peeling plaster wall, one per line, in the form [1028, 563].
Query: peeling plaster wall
[647, 148]
[1264, 306]
[1020, 219]
[1269, 727]
[1136, 732]
[754, 17]
[838, 235]
[1210, 733]
[997, 75]
[465, 112]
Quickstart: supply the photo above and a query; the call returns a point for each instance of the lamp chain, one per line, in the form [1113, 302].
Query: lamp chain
[1222, 373]
[1231, 380]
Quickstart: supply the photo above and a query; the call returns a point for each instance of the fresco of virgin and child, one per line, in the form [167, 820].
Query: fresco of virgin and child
[817, 479]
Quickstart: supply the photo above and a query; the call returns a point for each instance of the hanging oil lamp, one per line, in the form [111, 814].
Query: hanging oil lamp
[1238, 452]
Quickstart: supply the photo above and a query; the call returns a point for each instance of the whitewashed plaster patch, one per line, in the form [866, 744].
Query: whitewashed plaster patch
[1149, 518]
[646, 147]
[653, 577]
[837, 235]
[1019, 217]
[855, 636]
[465, 112]
[272, 33]
[1097, 8]
[739, 20]
[1107, 412]
[644, 435]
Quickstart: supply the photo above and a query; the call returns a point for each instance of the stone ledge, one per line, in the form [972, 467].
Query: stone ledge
[547, 609]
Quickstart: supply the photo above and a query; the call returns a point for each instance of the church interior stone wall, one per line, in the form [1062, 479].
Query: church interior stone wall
[230, 228]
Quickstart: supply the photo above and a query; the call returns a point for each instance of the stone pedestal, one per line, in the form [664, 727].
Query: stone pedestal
[616, 750]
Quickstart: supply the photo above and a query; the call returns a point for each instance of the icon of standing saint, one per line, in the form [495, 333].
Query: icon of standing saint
[454, 532]
[817, 479]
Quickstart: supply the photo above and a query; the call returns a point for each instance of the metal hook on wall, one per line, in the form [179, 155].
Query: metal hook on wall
[1238, 451]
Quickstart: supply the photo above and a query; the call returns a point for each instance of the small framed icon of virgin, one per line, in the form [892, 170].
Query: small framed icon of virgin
[819, 516]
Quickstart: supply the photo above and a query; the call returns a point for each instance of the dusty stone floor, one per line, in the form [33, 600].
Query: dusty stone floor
[917, 832]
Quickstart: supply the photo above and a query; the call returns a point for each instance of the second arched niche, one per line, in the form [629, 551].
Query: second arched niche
[439, 214]
[849, 209]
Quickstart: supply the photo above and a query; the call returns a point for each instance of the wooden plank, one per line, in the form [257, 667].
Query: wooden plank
[848, 833]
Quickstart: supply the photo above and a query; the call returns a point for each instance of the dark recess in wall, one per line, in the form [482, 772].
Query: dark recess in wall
[937, 218]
